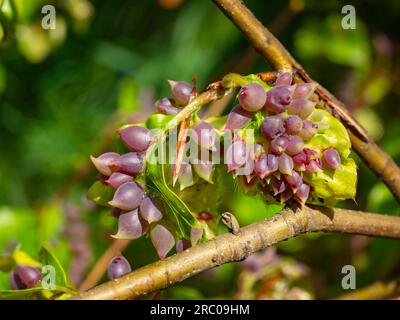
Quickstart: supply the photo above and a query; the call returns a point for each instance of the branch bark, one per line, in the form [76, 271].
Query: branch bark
[277, 55]
[229, 247]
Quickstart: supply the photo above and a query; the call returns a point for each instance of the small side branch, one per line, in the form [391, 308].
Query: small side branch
[236, 247]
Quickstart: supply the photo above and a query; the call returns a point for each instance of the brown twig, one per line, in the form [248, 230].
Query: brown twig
[230, 247]
[276, 54]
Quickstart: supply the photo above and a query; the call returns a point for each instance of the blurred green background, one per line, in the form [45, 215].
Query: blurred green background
[64, 91]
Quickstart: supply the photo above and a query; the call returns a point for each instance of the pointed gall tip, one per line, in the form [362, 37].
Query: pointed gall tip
[172, 83]
[175, 179]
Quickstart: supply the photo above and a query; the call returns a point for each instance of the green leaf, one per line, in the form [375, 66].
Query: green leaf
[333, 185]
[36, 293]
[100, 193]
[31, 293]
[46, 257]
[177, 211]
[335, 136]
[232, 80]
[158, 120]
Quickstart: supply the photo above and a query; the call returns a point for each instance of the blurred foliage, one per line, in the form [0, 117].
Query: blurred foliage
[63, 90]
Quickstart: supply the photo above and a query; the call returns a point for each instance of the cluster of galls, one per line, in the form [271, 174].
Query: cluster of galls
[279, 158]
[139, 213]
[136, 211]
